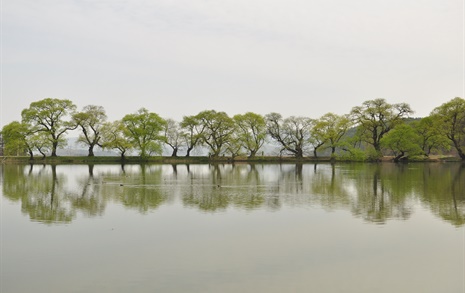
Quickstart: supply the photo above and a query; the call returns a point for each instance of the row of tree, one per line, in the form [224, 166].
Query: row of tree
[367, 132]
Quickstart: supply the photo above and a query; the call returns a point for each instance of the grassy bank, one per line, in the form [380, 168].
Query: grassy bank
[186, 160]
[155, 160]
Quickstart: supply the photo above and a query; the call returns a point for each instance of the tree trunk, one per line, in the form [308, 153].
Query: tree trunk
[461, 154]
[54, 148]
[42, 153]
[399, 156]
[459, 150]
[252, 154]
[91, 151]
[189, 149]
[175, 152]
[216, 153]
[377, 146]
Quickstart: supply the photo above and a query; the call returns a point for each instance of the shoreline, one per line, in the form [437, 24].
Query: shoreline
[202, 160]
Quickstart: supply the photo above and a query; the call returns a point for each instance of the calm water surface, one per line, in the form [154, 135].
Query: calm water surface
[233, 228]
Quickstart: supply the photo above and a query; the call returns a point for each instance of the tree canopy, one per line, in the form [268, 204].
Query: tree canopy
[143, 129]
[370, 130]
[375, 118]
[292, 133]
[90, 120]
[450, 117]
[49, 116]
[402, 141]
[113, 137]
[218, 129]
[251, 131]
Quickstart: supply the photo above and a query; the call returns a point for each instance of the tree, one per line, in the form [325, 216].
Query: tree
[143, 130]
[330, 129]
[402, 141]
[113, 137]
[90, 120]
[48, 116]
[450, 117]
[217, 130]
[172, 136]
[293, 133]
[375, 118]
[15, 137]
[251, 131]
[191, 132]
[430, 137]
[20, 138]
[317, 140]
[40, 142]
[234, 145]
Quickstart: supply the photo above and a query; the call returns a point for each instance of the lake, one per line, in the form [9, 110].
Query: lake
[233, 228]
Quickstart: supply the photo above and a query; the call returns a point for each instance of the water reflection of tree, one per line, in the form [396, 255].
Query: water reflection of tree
[237, 185]
[382, 193]
[329, 187]
[206, 191]
[140, 189]
[445, 195]
[249, 193]
[46, 196]
[374, 192]
[291, 179]
[41, 193]
[88, 199]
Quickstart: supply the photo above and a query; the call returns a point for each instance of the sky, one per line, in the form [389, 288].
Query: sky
[180, 57]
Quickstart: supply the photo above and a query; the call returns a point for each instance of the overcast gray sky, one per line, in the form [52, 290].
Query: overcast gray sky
[179, 57]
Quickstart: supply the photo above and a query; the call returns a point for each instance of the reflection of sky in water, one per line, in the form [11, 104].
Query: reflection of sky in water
[174, 249]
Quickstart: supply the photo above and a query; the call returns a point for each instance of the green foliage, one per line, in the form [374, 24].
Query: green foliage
[15, 138]
[48, 116]
[450, 117]
[402, 141]
[45, 123]
[329, 130]
[143, 129]
[375, 118]
[430, 137]
[251, 131]
[218, 129]
[90, 120]
[191, 132]
[113, 137]
[40, 142]
[351, 153]
[20, 138]
[234, 146]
